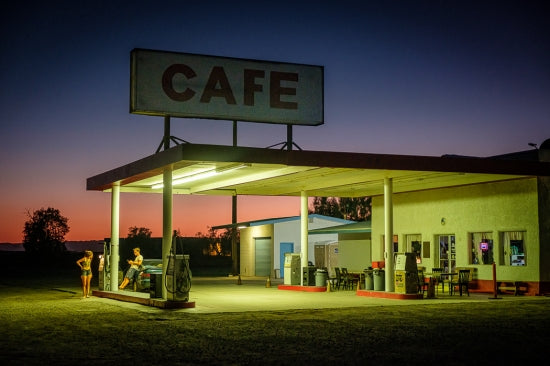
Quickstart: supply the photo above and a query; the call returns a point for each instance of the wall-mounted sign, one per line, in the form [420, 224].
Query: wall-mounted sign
[198, 86]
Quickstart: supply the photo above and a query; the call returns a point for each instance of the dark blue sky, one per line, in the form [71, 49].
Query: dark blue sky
[401, 77]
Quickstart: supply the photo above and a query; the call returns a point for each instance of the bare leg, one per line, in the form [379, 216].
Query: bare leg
[124, 283]
[88, 280]
[84, 279]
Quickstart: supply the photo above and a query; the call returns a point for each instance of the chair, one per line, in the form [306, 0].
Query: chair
[339, 278]
[438, 280]
[349, 280]
[422, 284]
[332, 279]
[463, 281]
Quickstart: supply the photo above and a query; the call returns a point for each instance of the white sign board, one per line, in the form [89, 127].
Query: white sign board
[198, 86]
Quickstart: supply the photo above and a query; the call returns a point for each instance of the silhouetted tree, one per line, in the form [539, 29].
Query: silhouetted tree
[138, 236]
[217, 243]
[45, 231]
[349, 208]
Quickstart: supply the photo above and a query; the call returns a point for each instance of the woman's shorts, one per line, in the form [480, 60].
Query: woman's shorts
[86, 272]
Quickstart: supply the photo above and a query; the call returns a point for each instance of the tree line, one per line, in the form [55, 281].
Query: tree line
[44, 231]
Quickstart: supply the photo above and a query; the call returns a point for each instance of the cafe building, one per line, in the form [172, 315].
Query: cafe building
[452, 211]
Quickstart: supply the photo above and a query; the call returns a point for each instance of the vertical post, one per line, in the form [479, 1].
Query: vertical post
[115, 223]
[166, 224]
[388, 235]
[234, 133]
[167, 135]
[289, 137]
[234, 250]
[303, 232]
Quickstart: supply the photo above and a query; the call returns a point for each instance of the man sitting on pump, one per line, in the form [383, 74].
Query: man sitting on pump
[133, 271]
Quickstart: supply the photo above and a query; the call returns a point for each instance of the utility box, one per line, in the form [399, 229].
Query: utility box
[155, 285]
[308, 276]
[292, 269]
[406, 273]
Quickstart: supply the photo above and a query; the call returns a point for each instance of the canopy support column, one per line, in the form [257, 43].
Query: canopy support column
[115, 224]
[166, 224]
[303, 231]
[388, 235]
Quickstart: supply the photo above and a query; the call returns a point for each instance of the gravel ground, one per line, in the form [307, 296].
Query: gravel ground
[41, 325]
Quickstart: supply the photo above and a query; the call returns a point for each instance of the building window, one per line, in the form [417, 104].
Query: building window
[481, 246]
[513, 248]
[447, 252]
[414, 245]
[395, 244]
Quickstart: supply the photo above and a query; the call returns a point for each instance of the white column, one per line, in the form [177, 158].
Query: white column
[388, 235]
[115, 223]
[303, 232]
[166, 224]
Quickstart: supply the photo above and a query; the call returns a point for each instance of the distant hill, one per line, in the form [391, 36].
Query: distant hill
[11, 247]
[95, 246]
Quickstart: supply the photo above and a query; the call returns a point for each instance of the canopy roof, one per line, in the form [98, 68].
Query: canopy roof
[235, 170]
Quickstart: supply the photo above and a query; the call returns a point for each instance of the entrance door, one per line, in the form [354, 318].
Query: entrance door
[263, 256]
[284, 248]
[447, 254]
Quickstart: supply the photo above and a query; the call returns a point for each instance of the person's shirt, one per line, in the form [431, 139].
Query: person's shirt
[86, 263]
[139, 259]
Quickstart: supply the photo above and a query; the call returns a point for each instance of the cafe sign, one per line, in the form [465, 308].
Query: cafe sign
[199, 86]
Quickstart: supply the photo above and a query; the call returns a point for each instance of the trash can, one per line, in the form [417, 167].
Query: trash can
[379, 280]
[369, 280]
[321, 276]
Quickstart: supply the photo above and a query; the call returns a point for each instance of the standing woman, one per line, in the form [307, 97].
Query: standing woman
[85, 264]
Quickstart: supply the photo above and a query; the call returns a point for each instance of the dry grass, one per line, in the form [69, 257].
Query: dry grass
[43, 326]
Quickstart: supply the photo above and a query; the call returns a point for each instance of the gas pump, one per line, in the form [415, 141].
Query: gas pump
[105, 268]
[178, 274]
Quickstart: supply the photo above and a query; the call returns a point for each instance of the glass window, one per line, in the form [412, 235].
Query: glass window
[395, 244]
[481, 245]
[513, 248]
[447, 252]
[414, 245]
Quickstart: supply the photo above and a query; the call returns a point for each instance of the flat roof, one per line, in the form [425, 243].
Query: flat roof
[277, 220]
[356, 227]
[235, 170]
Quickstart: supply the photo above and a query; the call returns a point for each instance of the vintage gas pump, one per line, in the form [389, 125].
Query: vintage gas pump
[178, 274]
[105, 268]
[406, 273]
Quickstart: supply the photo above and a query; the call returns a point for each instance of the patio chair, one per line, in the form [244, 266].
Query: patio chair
[462, 282]
[349, 280]
[436, 272]
[339, 278]
[422, 284]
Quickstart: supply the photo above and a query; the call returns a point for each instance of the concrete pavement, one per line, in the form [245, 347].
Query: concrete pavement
[224, 294]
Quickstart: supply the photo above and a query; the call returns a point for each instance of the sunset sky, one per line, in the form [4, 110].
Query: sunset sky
[401, 77]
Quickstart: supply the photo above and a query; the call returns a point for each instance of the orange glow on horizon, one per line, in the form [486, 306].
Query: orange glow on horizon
[91, 220]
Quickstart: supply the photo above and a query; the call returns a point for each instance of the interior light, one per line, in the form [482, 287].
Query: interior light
[202, 175]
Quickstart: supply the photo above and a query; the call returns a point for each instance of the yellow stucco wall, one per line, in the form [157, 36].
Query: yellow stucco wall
[494, 207]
